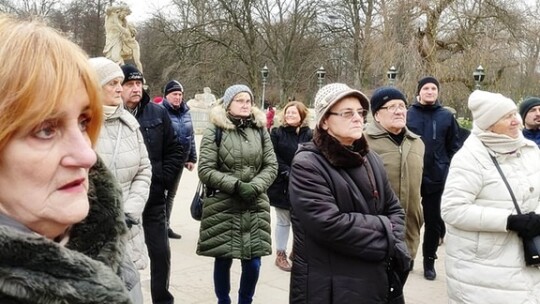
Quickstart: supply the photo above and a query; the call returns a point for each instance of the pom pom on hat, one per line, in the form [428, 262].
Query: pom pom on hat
[233, 91]
[527, 104]
[172, 86]
[487, 108]
[383, 95]
[106, 69]
[131, 73]
[428, 79]
[330, 94]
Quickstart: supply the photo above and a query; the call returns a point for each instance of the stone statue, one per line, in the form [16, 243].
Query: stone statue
[204, 100]
[120, 43]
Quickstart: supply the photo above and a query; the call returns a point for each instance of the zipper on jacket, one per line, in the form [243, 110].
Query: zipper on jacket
[434, 130]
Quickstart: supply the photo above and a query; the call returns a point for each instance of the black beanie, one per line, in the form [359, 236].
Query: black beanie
[428, 79]
[383, 95]
[527, 104]
[131, 73]
[172, 86]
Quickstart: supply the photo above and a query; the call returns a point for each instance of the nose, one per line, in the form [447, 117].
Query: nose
[78, 149]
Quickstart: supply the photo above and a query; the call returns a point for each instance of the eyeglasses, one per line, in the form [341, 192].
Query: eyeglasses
[248, 101]
[395, 108]
[348, 114]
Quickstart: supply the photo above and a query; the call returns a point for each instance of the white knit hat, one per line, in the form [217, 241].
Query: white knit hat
[106, 69]
[487, 108]
[328, 95]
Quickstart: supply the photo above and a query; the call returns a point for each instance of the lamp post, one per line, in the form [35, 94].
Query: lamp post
[478, 76]
[391, 74]
[321, 72]
[264, 74]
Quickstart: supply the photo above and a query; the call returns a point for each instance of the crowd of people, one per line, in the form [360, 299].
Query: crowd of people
[90, 168]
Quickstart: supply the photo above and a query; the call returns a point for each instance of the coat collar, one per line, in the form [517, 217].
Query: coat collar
[218, 116]
[337, 154]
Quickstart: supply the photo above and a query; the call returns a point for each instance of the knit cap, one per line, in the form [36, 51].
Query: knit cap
[106, 69]
[131, 73]
[428, 79]
[233, 91]
[172, 86]
[330, 94]
[383, 95]
[487, 108]
[527, 104]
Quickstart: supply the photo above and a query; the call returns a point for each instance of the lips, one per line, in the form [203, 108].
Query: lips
[74, 184]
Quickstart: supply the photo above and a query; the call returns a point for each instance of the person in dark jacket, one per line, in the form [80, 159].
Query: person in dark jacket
[183, 126]
[348, 223]
[529, 109]
[440, 133]
[166, 157]
[293, 131]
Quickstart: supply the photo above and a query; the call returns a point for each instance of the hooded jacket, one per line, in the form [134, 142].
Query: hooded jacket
[346, 224]
[440, 133]
[34, 269]
[231, 227]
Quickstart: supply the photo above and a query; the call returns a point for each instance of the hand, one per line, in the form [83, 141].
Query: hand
[189, 165]
[526, 225]
[246, 191]
[402, 258]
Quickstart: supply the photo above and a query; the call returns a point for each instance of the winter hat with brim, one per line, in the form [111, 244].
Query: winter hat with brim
[487, 108]
[131, 73]
[330, 94]
[233, 91]
[383, 95]
[106, 69]
[172, 86]
[527, 104]
[428, 79]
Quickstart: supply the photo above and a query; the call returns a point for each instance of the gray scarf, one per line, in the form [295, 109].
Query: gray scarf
[499, 143]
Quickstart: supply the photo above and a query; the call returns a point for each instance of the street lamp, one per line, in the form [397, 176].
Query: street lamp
[264, 74]
[320, 76]
[478, 76]
[391, 75]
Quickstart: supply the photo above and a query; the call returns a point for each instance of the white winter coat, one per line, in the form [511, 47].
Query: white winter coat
[484, 261]
[126, 156]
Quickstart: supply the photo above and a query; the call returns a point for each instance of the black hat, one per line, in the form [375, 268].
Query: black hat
[527, 104]
[428, 79]
[383, 95]
[131, 73]
[172, 86]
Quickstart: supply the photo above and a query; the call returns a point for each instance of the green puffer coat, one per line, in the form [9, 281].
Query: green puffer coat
[231, 227]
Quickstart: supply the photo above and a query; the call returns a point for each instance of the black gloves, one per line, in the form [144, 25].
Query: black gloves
[246, 191]
[526, 225]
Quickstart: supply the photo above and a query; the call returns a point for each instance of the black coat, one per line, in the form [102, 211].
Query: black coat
[285, 141]
[344, 231]
[164, 150]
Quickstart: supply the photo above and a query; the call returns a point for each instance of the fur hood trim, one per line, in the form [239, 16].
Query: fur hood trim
[339, 155]
[218, 116]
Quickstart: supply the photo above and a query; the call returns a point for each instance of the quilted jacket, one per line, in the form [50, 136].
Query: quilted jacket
[231, 227]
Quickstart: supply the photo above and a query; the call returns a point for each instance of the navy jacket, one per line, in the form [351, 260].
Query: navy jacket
[440, 133]
[533, 135]
[183, 126]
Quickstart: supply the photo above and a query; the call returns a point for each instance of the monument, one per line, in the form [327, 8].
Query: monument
[204, 100]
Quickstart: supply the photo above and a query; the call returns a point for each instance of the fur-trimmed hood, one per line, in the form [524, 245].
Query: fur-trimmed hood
[218, 116]
[34, 269]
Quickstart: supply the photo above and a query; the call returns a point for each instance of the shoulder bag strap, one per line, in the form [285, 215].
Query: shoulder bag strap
[505, 182]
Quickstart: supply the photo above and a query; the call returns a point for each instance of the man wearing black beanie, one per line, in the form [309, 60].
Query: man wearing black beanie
[529, 109]
[440, 133]
[165, 155]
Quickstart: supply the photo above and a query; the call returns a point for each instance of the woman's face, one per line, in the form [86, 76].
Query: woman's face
[112, 92]
[507, 125]
[44, 173]
[292, 116]
[346, 120]
[240, 105]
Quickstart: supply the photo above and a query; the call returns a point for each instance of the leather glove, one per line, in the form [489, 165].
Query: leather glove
[526, 225]
[246, 191]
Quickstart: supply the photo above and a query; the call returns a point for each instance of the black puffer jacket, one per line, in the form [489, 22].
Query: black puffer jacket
[164, 150]
[344, 229]
[285, 141]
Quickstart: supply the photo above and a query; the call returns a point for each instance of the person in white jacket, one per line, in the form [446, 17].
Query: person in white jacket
[484, 249]
[122, 148]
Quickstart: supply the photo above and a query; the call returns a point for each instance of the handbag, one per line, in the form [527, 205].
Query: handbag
[197, 202]
[531, 246]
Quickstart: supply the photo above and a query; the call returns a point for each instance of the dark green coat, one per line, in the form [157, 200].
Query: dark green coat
[230, 227]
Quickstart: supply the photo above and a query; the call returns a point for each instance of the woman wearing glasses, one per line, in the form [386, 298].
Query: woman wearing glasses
[402, 153]
[348, 223]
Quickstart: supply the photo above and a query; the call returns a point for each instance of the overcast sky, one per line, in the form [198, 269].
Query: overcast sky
[143, 9]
